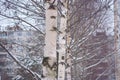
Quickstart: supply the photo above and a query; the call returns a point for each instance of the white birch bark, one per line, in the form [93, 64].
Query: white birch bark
[49, 72]
[51, 33]
[50, 41]
[62, 49]
[62, 42]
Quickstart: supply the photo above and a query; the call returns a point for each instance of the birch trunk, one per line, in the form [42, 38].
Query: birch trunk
[68, 58]
[68, 53]
[64, 58]
[116, 33]
[49, 60]
[62, 49]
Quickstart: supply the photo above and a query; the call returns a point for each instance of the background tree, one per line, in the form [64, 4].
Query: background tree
[86, 19]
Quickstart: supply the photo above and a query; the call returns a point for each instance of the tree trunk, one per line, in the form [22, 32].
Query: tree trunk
[68, 59]
[49, 60]
[63, 42]
[62, 49]
[50, 63]
[68, 55]
[116, 33]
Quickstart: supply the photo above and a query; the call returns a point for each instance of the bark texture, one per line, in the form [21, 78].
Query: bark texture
[49, 60]
[116, 33]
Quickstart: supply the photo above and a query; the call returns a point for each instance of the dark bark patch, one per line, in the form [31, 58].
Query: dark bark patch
[54, 29]
[53, 17]
[45, 61]
[62, 63]
[63, 38]
[42, 76]
[66, 30]
[63, 57]
[63, 16]
[68, 51]
[51, 7]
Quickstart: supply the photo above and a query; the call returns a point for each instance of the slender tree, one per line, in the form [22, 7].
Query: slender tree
[62, 41]
[49, 60]
[116, 38]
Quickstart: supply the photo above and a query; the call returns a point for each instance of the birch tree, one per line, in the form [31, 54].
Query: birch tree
[62, 41]
[84, 20]
[49, 61]
[61, 31]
